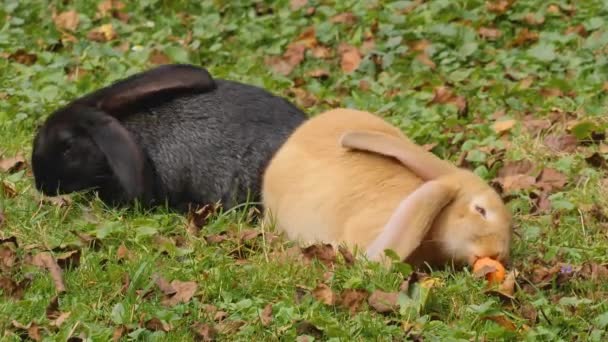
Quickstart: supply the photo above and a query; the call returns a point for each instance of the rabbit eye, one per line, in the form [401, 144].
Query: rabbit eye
[480, 210]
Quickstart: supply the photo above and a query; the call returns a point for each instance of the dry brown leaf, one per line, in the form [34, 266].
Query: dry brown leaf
[444, 95]
[503, 321]
[352, 299]
[303, 98]
[184, 291]
[46, 260]
[503, 125]
[87, 239]
[13, 164]
[57, 322]
[204, 332]
[103, 33]
[350, 58]
[199, 216]
[266, 315]
[550, 179]
[163, 285]
[122, 252]
[517, 182]
[77, 73]
[58, 201]
[9, 189]
[158, 58]
[23, 57]
[577, 29]
[297, 4]
[489, 33]
[323, 252]
[324, 294]
[308, 38]
[551, 92]
[285, 64]
[13, 289]
[108, 6]
[32, 330]
[524, 36]
[215, 238]
[344, 18]
[248, 235]
[349, 259]
[318, 73]
[307, 328]
[155, 324]
[68, 20]
[533, 19]
[229, 327]
[220, 316]
[68, 259]
[535, 126]
[561, 143]
[321, 52]
[383, 302]
[119, 332]
[499, 6]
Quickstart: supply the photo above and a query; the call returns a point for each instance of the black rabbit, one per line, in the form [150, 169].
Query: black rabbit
[170, 134]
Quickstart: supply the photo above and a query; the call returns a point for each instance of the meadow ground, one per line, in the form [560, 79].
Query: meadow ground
[515, 90]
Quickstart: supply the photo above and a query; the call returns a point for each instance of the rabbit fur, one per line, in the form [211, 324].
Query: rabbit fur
[172, 135]
[347, 176]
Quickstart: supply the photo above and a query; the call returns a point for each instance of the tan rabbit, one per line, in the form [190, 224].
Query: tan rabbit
[347, 176]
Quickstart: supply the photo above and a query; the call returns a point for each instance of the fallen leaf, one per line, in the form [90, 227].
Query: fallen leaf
[350, 58]
[321, 52]
[108, 6]
[11, 288]
[503, 125]
[383, 302]
[308, 38]
[184, 291]
[444, 95]
[503, 321]
[534, 19]
[303, 98]
[318, 73]
[68, 20]
[155, 324]
[499, 6]
[248, 235]
[9, 189]
[54, 314]
[324, 294]
[163, 285]
[524, 36]
[229, 327]
[122, 253]
[69, 259]
[87, 239]
[593, 271]
[322, 252]
[58, 201]
[307, 328]
[561, 143]
[32, 330]
[215, 238]
[344, 18]
[297, 4]
[204, 332]
[352, 299]
[220, 316]
[266, 315]
[535, 126]
[119, 332]
[158, 58]
[57, 322]
[103, 33]
[551, 92]
[489, 33]
[46, 260]
[13, 164]
[285, 64]
[349, 259]
[23, 57]
[551, 179]
[76, 73]
[577, 29]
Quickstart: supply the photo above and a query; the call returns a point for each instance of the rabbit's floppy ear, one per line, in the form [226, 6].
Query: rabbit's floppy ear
[412, 219]
[149, 87]
[124, 156]
[423, 163]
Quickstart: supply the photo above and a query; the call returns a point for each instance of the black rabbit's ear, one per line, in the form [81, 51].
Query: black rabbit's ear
[123, 154]
[149, 87]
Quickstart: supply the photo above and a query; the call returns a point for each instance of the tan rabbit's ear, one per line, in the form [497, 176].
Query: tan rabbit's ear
[411, 221]
[423, 163]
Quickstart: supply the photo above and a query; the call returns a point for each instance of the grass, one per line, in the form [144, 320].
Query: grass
[525, 61]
